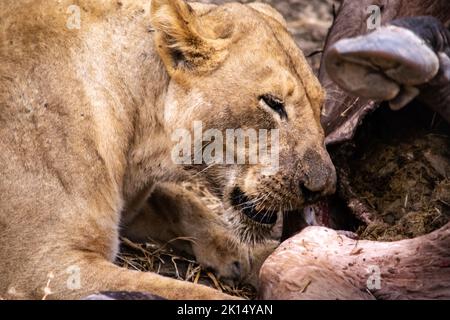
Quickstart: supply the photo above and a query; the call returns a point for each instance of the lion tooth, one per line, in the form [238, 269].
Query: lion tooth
[310, 215]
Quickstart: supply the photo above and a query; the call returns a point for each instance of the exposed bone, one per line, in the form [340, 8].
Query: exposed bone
[320, 263]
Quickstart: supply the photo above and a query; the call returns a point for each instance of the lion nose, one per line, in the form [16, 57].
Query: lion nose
[308, 195]
[320, 175]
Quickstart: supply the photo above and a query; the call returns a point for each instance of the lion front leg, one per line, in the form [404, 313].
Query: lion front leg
[78, 274]
[68, 259]
[174, 212]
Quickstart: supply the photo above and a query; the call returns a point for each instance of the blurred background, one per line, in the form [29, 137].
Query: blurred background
[308, 21]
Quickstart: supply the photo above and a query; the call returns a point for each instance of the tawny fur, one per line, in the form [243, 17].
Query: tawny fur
[85, 122]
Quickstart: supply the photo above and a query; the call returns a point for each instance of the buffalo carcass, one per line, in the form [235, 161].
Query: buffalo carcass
[343, 112]
[407, 58]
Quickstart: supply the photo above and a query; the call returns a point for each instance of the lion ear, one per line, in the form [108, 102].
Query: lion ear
[181, 40]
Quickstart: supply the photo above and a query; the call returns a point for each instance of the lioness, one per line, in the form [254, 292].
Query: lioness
[87, 109]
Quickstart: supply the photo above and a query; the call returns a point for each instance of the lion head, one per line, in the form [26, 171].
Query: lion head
[235, 70]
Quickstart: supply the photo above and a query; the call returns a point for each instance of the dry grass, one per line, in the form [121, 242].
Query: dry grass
[164, 260]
